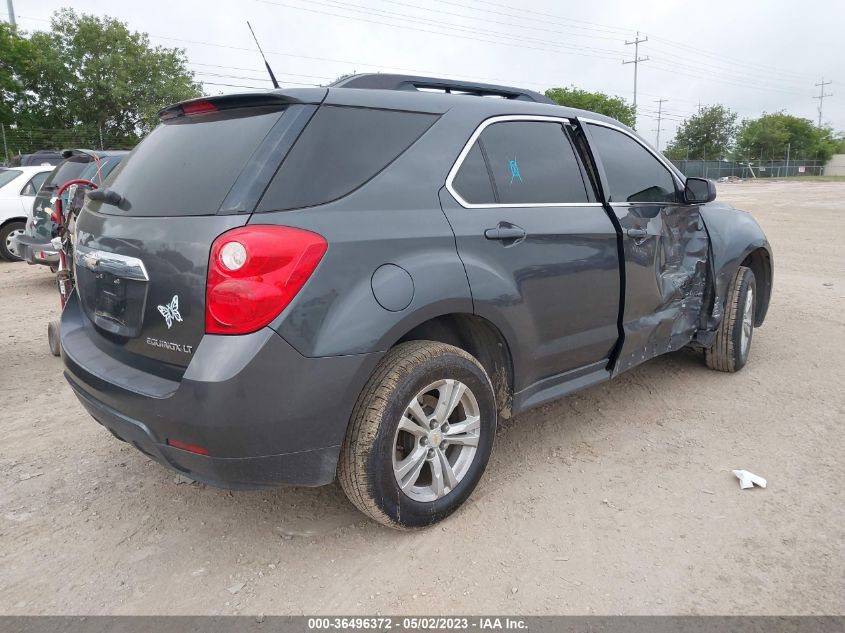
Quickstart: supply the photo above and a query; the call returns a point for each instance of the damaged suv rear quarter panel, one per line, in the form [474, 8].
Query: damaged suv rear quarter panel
[735, 237]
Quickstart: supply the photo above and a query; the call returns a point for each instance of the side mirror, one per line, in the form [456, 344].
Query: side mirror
[699, 191]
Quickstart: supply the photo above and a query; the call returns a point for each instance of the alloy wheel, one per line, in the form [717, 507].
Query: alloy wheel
[436, 440]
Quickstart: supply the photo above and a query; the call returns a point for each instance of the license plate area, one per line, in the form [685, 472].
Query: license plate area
[112, 289]
[111, 297]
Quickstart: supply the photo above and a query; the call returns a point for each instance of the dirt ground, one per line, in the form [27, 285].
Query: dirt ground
[618, 500]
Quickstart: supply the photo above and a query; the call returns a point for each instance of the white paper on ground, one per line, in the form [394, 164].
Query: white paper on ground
[747, 479]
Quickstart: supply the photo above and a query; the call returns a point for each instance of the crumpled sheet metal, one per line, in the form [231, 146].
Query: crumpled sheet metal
[678, 261]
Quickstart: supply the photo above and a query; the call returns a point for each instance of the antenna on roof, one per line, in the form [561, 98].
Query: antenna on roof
[269, 70]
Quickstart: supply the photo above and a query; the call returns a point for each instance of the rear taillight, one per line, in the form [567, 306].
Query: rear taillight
[253, 274]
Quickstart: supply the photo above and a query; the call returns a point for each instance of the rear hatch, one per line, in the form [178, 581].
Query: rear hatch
[142, 253]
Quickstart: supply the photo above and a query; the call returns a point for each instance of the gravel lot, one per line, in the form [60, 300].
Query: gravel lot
[618, 500]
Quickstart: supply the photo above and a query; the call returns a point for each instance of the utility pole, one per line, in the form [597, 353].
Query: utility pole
[636, 62]
[659, 103]
[821, 96]
[11, 8]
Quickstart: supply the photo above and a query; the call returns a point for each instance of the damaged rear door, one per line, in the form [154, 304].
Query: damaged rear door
[664, 243]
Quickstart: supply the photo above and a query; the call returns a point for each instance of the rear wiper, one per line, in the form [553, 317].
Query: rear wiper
[106, 195]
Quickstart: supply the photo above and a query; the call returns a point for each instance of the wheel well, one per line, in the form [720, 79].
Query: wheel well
[761, 265]
[10, 220]
[477, 336]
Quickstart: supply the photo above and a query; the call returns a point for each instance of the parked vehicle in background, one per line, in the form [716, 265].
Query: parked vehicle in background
[34, 244]
[41, 158]
[356, 281]
[18, 188]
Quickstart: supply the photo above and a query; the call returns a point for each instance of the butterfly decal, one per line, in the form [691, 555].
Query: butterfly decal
[170, 311]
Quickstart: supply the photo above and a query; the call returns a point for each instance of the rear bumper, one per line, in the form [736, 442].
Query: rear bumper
[266, 414]
[35, 251]
[307, 468]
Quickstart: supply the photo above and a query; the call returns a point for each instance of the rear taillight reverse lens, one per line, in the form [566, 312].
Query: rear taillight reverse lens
[253, 274]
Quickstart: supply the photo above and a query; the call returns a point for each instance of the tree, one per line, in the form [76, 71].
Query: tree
[15, 52]
[769, 136]
[708, 134]
[614, 107]
[90, 74]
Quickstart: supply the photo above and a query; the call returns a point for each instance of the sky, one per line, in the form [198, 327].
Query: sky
[753, 56]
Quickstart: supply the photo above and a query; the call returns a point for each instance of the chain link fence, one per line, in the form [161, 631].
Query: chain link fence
[715, 169]
[15, 140]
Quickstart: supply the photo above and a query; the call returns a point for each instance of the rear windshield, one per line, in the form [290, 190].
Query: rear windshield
[107, 164]
[8, 175]
[64, 171]
[187, 165]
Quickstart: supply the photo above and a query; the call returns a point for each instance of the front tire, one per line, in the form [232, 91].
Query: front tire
[7, 235]
[732, 346]
[420, 435]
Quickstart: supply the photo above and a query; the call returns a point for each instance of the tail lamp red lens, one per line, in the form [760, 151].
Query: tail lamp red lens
[253, 274]
[184, 446]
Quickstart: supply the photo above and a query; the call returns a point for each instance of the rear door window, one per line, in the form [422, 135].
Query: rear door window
[531, 162]
[633, 173]
[188, 164]
[341, 149]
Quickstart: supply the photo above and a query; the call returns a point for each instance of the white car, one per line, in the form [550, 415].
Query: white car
[18, 186]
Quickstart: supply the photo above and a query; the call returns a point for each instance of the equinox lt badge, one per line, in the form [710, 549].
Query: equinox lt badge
[174, 347]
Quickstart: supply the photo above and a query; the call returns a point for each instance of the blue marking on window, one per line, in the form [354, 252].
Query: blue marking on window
[514, 170]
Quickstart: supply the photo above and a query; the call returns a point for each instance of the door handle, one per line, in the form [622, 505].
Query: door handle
[505, 232]
[637, 234]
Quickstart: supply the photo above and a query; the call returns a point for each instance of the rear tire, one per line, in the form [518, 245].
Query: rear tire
[54, 339]
[8, 232]
[420, 435]
[732, 346]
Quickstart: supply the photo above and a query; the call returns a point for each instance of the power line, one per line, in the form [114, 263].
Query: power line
[821, 96]
[591, 52]
[462, 33]
[732, 60]
[545, 16]
[656, 64]
[775, 73]
[508, 24]
[255, 70]
[636, 62]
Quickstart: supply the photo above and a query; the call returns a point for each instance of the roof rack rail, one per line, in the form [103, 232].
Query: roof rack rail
[379, 81]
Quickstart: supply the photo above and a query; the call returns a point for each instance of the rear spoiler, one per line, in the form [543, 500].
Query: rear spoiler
[271, 98]
[67, 153]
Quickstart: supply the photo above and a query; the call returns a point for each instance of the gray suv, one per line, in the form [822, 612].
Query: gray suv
[355, 282]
